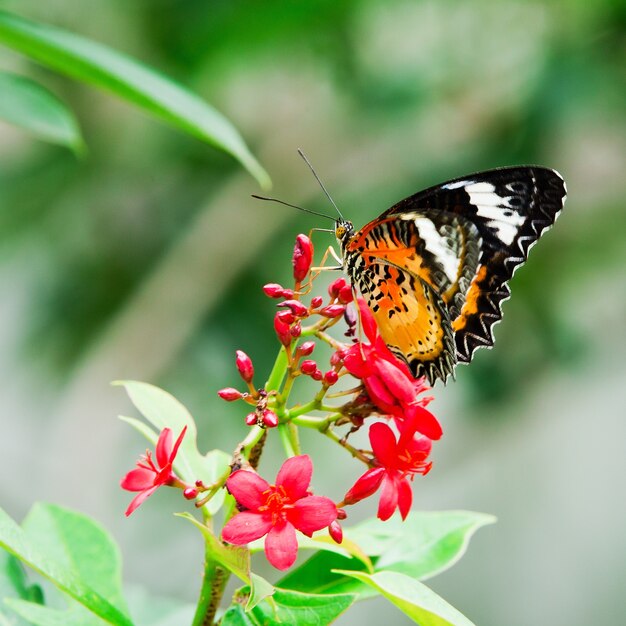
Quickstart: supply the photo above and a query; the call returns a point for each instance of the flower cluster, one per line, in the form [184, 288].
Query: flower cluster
[400, 433]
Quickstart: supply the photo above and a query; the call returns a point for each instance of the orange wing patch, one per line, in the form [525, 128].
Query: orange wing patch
[412, 319]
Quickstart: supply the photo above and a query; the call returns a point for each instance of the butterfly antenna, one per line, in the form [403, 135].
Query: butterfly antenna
[317, 178]
[293, 206]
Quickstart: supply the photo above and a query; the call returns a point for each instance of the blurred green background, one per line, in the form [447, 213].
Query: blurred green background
[145, 260]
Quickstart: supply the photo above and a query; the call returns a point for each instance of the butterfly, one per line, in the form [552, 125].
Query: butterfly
[434, 268]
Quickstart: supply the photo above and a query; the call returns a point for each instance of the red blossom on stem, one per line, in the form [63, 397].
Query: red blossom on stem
[148, 476]
[302, 257]
[277, 510]
[388, 381]
[244, 366]
[396, 463]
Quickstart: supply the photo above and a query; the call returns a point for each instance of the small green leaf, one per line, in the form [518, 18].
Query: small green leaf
[413, 598]
[236, 616]
[103, 67]
[292, 607]
[424, 545]
[162, 410]
[259, 590]
[28, 105]
[64, 577]
[235, 559]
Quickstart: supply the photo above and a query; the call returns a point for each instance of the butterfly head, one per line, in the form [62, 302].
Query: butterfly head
[344, 230]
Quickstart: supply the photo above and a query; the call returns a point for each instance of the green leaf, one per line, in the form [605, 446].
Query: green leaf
[64, 576]
[162, 410]
[14, 585]
[413, 598]
[420, 547]
[319, 575]
[46, 616]
[28, 105]
[103, 67]
[78, 543]
[235, 559]
[157, 610]
[259, 590]
[292, 607]
[236, 616]
[425, 544]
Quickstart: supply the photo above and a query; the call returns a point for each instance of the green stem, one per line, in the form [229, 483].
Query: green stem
[278, 371]
[214, 581]
[290, 446]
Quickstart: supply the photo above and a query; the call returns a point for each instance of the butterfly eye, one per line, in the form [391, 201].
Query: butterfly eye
[340, 231]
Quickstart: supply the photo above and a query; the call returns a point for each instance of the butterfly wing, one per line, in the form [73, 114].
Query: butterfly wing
[411, 317]
[464, 238]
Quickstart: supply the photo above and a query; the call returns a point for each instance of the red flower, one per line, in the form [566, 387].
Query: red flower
[277, 510]
[302, 257]
[148, 477]
[388, 381]
[396, 464]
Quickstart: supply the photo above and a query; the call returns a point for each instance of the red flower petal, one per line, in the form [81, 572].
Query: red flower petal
[164, 446]
[379, 393]
[139, 498]
[398, 383]
[138, 480]
[312, 513]
[365, 486]
[405, 497]
[421, 420]
[247, 488]
[355, 361]
[177, 445]
[383, 444]
[388, 497]
[281, 546]
[295, 476]
[246, 527]
[368, 323]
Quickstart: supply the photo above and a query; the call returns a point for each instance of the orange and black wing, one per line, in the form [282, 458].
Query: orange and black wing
[463, 239]
[411, 317]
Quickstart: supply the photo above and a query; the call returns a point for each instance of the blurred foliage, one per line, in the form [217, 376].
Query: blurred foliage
[386, 96]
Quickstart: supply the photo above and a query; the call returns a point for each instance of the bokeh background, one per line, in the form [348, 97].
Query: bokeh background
[145, 260]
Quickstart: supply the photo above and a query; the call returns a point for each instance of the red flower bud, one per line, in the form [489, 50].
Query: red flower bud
[229, 394]
[317, 302]
[274, 290]
[270, 419]
[302, 257]
[282, 328]
[336, 286]
[335, 531]
[190, 493]
[296, 330]
[244, 365]
[333, 310]
[251, 419]
[286, 317]
[345, 295]
[331, 377]
[306, 348]
[308, 367]
[317, 375]
[341, 514]
[337, 357]
[296, 307]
